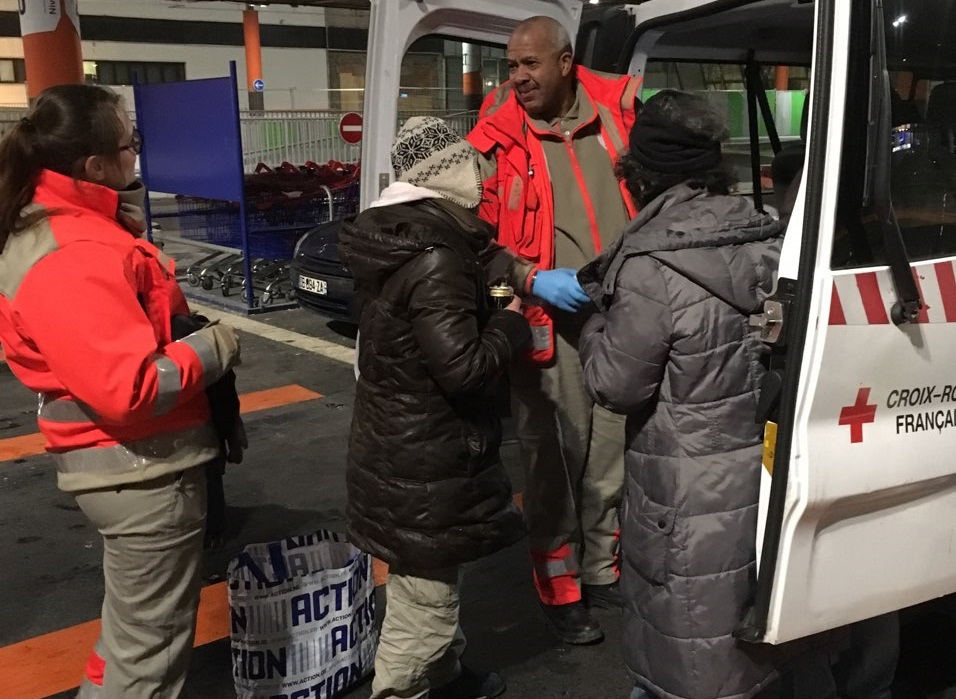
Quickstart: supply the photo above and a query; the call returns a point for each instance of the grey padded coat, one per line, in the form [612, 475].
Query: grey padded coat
[674, 351]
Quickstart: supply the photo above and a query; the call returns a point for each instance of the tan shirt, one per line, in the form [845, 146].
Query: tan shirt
[574, 244]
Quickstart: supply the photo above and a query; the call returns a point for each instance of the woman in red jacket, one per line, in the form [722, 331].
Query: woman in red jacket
[86, 307]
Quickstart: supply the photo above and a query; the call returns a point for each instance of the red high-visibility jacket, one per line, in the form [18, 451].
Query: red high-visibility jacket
[518, 199]
[85, 310]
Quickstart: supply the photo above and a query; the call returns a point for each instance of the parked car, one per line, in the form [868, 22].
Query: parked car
[321, 282]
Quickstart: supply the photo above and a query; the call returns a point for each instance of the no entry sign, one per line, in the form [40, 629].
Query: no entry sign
[350, 128]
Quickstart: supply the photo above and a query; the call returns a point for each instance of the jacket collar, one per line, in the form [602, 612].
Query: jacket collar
[684, 217]
[582, 113]
[56, 190]
[681, 218]
[399, 192]
[478, 232]
[509, 118]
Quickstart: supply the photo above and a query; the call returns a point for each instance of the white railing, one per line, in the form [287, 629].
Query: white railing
[296, 137]
[275, 137]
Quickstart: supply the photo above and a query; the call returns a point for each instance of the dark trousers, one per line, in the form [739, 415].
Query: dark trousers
[867, 669]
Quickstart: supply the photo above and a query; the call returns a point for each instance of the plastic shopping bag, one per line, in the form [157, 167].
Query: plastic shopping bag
[303, 618]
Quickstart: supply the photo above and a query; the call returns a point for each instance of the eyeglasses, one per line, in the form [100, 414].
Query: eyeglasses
[135, 142]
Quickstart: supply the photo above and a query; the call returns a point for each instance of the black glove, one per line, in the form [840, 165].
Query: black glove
[222, 395]
[224, 407]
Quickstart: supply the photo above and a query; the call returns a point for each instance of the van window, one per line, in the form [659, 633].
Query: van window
[921, 55]
[440, 76]
[723, 84]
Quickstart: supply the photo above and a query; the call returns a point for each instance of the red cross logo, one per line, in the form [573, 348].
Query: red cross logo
[858, 414]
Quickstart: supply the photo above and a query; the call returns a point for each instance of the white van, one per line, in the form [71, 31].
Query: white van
[859, 514]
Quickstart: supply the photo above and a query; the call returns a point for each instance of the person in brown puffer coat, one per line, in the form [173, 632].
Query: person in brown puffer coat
[427, 490]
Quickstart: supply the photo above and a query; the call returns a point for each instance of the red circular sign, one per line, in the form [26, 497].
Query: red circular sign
[350, 128]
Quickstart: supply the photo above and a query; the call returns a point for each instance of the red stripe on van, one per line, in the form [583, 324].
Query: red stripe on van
[947, 289]
[837, 317]
[872, 299]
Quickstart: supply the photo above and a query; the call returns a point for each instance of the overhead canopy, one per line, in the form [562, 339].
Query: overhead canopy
[341, 4]
[364, 4]
[772, 31]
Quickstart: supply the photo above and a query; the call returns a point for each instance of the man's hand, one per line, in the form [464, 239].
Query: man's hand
[561, 289]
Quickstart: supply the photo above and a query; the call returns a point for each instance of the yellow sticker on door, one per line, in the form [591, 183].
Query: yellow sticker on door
[769, 445]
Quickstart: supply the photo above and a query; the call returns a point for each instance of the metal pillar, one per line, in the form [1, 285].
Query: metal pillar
[51, 44]
[254, 82]
[471, 84]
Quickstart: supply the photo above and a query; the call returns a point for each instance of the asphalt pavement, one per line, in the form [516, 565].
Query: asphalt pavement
[292, 482]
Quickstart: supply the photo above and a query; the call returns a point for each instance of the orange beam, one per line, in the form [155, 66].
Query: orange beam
[51, 44]
[253, 45]
[471, 84]
[781, 78]
[33, 444]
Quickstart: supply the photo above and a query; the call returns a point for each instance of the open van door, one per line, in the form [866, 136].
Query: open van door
[859, 515]
[396, 24]
[860, 512]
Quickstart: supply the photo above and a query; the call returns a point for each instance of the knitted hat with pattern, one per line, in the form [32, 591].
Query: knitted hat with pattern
[428, 153]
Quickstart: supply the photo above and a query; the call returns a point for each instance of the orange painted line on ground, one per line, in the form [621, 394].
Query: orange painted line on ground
[379, 571]
[212, 622]
[275, 398]
[20, 447]
[47, 664]
[54, 663]
[33, 444]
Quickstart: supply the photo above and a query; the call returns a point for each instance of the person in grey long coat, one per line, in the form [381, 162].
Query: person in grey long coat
[673, 350]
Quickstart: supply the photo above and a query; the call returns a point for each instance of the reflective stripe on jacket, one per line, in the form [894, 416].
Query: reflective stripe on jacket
[518, 199]
[85, 310]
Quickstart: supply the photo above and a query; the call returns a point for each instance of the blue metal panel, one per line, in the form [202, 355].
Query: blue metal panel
[191, 138]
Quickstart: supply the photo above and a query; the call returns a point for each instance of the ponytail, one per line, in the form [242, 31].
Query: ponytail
[67, 124]
[18, 175]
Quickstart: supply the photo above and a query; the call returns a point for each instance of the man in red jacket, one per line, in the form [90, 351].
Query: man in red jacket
[550, 138]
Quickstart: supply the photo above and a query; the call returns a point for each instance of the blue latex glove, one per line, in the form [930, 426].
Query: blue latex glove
[561, 289]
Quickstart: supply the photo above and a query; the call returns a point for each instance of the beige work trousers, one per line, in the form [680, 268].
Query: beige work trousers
[421, 642]
[573, 456]
[152, 554]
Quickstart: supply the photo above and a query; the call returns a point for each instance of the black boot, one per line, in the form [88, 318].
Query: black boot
[572, 623]
[470, 684]
[604, 596]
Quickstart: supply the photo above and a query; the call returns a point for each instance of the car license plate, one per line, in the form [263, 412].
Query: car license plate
[316, 286]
